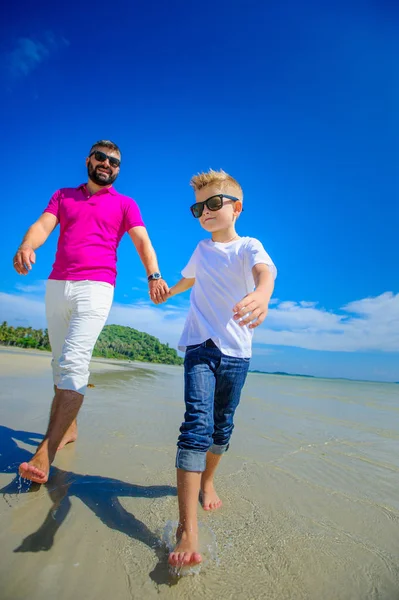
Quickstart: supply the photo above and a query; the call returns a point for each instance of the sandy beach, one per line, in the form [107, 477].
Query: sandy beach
[309, 486]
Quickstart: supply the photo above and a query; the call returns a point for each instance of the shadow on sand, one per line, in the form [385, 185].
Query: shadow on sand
[100, 494]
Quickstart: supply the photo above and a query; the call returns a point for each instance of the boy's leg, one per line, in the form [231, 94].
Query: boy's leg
[209, 498]
[186, 550]
[230, 379]
[194, 440]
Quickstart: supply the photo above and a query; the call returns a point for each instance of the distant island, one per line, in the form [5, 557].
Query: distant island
[115, 341]
[120, 342]
[282, 373]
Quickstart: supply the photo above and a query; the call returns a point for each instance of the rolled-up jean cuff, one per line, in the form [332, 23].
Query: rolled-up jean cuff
[190, 460]
[215, 449]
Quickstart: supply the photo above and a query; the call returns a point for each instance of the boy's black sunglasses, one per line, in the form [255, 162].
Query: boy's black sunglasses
[102, 157]
[212, 203]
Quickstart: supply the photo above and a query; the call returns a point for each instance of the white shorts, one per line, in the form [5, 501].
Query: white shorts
[76, 314]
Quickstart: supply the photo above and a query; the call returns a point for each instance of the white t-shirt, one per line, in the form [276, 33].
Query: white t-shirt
[223, 276]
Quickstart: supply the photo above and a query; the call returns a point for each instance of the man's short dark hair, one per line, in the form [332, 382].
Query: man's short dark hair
[105, 144]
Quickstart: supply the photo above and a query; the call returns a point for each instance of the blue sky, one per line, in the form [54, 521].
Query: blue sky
[297, 101]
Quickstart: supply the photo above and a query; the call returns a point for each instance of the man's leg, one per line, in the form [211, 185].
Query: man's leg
[71, 434]
[230, 379]
[58, 315]
[91, 303]
[67, 404]
[194, 441]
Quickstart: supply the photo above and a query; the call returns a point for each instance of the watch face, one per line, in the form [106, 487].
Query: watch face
[155, 276]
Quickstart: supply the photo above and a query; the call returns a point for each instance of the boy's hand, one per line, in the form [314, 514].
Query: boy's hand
[253, 307]
[159, 291]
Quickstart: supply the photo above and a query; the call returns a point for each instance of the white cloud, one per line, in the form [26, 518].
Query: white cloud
[273, 301]
[38, 286]
[370, 324]
[28, 53]
[26, 310]
[308, 304]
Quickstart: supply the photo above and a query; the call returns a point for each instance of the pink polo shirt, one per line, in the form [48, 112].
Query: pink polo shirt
[91, 228]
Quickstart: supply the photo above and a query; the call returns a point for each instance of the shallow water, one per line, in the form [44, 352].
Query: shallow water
[309, 486]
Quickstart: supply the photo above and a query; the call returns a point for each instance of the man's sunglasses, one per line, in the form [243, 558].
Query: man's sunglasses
[213, 203]
[102, 157]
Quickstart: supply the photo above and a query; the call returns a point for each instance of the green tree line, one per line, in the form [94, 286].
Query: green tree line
[115, 341]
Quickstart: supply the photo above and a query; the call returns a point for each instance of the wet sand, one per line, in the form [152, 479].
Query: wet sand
[309, 485]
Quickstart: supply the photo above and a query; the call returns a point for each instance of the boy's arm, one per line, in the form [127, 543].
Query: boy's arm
[255, 305]
[181, 286]
[264, 280]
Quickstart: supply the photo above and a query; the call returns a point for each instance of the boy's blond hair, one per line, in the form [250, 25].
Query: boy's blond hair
[214, 177]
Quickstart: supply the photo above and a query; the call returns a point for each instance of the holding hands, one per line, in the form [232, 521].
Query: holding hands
[158, 290]
[251, 310]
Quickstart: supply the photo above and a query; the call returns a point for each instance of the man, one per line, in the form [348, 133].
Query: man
[93, 218]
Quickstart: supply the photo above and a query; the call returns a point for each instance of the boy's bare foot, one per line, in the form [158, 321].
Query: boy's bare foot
[38, 468]
[208, 496]
[185, 554]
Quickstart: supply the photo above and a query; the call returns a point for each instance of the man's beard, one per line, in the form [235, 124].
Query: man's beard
[99, 178]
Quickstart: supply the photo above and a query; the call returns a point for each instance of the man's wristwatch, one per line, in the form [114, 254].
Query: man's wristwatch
[154, 276]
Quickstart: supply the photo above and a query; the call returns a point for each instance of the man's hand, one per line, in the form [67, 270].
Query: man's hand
[24, 258]
[253, 308]
[35, 237]
[159, 291]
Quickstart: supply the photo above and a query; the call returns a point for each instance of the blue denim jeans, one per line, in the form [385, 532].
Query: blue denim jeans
[213, 384]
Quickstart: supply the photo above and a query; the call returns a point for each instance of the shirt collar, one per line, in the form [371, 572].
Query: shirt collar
[105, 190]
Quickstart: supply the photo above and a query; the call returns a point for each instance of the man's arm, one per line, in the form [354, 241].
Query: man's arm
[35, 237]
[255, 305]
[158, 287]
[181, 286]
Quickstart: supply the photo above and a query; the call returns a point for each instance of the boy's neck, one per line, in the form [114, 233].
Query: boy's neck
[225, 235]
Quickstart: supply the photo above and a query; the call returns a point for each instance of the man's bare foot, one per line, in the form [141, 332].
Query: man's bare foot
[67, 439]
[70, 436]
[29, 471]
[37, 469]
[185, 554]
[208, 497]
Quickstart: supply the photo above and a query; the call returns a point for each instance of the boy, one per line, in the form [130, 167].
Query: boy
[224, 310]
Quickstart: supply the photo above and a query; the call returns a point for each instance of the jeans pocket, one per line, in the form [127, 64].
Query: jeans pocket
[193, 347]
